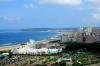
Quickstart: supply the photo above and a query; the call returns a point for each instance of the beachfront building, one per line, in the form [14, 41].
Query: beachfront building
[32, 51]
[67, 36]
[36, 48]
[30, 44]
[41, 44]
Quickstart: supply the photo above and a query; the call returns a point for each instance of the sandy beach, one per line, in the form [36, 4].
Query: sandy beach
[7, 48]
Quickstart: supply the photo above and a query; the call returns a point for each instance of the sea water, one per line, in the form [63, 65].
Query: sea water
[8, 38]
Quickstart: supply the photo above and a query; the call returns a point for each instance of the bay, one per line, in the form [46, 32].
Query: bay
[8, 38]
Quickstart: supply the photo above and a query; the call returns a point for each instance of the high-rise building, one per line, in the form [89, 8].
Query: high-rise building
[90, 29]
[81, 29]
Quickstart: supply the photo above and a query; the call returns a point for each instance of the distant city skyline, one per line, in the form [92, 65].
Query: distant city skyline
[18, 14]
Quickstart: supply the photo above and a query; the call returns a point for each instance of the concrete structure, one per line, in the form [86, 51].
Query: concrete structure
[30, 44]
[36, 48]
[90, 29]
[66, 60]
[68, 36]
[41, 45]
[84, 35]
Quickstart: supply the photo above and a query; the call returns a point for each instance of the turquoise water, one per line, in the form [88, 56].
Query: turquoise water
[8, 38]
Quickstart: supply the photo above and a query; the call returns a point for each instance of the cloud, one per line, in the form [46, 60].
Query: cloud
[95, 2]
[92, 6]
[29, 5]
[61, 2]
[11, 18]
[96, 16]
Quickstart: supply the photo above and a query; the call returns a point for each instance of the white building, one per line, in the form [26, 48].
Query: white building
[30, 48]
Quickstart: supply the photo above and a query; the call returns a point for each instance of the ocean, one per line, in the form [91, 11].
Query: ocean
[8, 38]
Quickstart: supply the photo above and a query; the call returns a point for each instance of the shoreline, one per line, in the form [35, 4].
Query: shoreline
[7, 48]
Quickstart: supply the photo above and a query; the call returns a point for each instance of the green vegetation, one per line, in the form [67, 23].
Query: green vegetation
[4, 51]
[85, 58]
[40, 65]
[87, 52]
[77, 64]
[84, 46]
[79, 59]
[80, 53]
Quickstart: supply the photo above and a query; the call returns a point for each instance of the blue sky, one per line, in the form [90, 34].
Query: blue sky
[16, 14]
